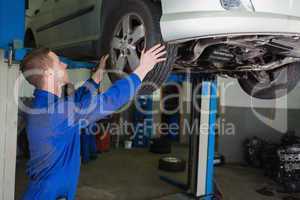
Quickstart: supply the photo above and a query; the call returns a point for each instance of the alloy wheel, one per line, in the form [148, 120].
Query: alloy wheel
[127, 43]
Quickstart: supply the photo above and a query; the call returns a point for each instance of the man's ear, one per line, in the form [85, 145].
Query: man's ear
[49, 72]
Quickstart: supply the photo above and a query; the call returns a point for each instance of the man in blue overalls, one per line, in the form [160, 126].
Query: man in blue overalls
[53, 122]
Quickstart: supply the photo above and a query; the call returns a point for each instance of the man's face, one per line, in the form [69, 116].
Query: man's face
[60, 69]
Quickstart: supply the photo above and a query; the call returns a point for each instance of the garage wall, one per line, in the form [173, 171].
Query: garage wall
[253, 117]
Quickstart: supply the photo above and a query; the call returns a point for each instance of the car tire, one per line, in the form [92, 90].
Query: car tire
[160, 146]
[281, 82]
[147, 13]
[172, 164]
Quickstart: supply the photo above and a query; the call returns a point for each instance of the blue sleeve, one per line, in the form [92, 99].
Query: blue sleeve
[87, 89]
[95, 107]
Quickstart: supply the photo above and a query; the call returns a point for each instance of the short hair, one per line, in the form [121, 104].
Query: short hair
[37, 59]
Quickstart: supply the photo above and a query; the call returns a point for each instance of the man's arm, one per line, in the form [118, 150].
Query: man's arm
[92, 84]
[86, 90]
[108, 102]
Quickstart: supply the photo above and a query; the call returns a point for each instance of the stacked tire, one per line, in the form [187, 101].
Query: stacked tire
[172, 164]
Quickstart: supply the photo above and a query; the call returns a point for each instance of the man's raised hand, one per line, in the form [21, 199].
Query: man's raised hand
[149, 59]
[99, 71]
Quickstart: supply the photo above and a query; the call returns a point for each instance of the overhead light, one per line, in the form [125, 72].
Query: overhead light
[237, 5]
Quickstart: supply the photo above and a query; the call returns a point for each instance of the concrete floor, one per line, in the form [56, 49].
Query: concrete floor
[133, 175]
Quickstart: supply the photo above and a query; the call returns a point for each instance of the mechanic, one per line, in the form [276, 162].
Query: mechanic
[53, 122]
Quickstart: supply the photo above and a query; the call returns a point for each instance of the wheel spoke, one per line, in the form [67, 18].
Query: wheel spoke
[116, 43]
[138, 33]
[133, 59]
[126, 25]
[121, 62]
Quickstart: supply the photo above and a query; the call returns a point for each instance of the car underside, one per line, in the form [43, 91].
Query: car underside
[236, 55]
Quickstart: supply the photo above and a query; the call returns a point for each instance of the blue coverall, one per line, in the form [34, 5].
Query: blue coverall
[88, 144]
[54, 135]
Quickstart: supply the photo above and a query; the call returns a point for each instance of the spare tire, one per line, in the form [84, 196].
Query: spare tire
[172, 164]
[128, 31]
[277, 83]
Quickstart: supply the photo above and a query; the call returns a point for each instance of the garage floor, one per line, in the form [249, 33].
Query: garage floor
[133, 175]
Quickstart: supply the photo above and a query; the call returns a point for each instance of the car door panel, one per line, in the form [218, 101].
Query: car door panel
[77, 21]
[39, 24]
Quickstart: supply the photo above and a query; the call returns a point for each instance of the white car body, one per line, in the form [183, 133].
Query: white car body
[181, 20]
[191, 19]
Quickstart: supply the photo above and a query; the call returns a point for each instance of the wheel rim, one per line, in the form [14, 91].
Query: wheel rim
[127, 43]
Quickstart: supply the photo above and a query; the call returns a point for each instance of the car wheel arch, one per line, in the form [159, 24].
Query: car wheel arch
[106, 8]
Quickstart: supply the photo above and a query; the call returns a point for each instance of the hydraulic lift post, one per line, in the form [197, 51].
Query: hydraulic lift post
[200, 184]
[202, 139]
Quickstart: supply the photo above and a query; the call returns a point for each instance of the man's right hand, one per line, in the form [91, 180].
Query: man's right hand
[149, 59]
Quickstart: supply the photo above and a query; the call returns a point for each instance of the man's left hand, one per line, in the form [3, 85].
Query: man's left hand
[99, 71]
